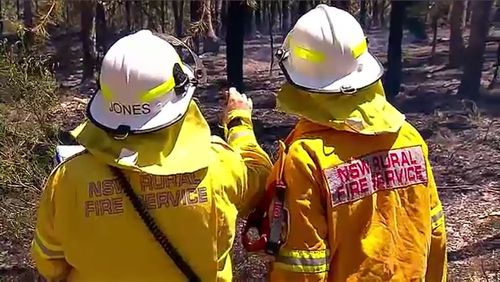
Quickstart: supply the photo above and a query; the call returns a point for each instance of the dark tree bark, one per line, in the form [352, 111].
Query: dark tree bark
[456, 41]
[303, 8]
[128, 15]
[194, 10]
[468, 12]
[375, 12]
[178, 10]
[265, 17]
[219, 17]
[344, 4]
[87, 37]
[163, 11]
[285, 24]
[258, 16]
[474, 58]
[249, 24]
[101, 29]
[394, 73]
[210, 42]
[138, 14]
[274, 15]
[28, 22]
[234, 42]
[382, 12]
[151, 14]
[362, 13]
[18, 9]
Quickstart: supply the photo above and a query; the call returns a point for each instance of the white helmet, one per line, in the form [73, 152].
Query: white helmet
[326, 51]
[144, 86]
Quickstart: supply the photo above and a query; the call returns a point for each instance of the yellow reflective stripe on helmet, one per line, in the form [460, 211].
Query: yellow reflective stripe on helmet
[106, 92]
[303, 261]
[359, 49]
[45, 249]
[147, 96]
[437, 216]
[159, 90]
[306, 53]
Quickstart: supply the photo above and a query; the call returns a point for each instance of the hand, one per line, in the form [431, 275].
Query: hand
[236, 101]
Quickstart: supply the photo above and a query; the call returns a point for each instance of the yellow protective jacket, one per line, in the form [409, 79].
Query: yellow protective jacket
[87, 230]
[361, 208]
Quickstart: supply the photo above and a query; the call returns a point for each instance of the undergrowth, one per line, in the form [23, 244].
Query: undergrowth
[28, 95]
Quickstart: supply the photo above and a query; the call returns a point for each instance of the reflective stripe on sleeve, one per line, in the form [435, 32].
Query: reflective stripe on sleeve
[47, 250]
[234, 135]
[437, 216]
[303, 261]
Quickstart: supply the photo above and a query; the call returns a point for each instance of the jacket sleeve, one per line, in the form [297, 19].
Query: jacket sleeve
[46, 249]
[304, 256]
[241, 139]
[437, 261]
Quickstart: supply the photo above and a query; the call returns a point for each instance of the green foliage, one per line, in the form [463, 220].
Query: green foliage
[28, 95]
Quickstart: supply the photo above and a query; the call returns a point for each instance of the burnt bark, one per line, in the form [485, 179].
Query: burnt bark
[219, 17]
[178, 10]
[382, 12]
[394, 73]
[474, 57]
[100, 29]
[375, 12]
[234, 42]
[194, 10]
[303, 8]
[128, 15]
[456, 41]
[362, 12]
[28, 23]
[138, 19]
[344, 4]
[274, 15]
[258, 16]
[210, 42]
[87, 37]
[285, 23]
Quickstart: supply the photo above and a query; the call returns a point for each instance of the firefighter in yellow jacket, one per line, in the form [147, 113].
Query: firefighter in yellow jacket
[361, 199]
[144, 124]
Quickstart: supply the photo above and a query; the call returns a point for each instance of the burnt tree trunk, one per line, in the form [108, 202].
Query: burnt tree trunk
[474, 57]
[344, 4]
[362, 12]
[382, 12]
[195, 13]
[88, 37]
[468, 12]
[100, 29]
[210, 42]
[303, 8]
[258, 15]
[375, 12]
[219, 17]
[274, 15]
[138, 14]
[178, 10]
[234, 42]
[28, 22]
[394, 73]
[285, 24]
[456, 41]
[163, 10]
[128, 15]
